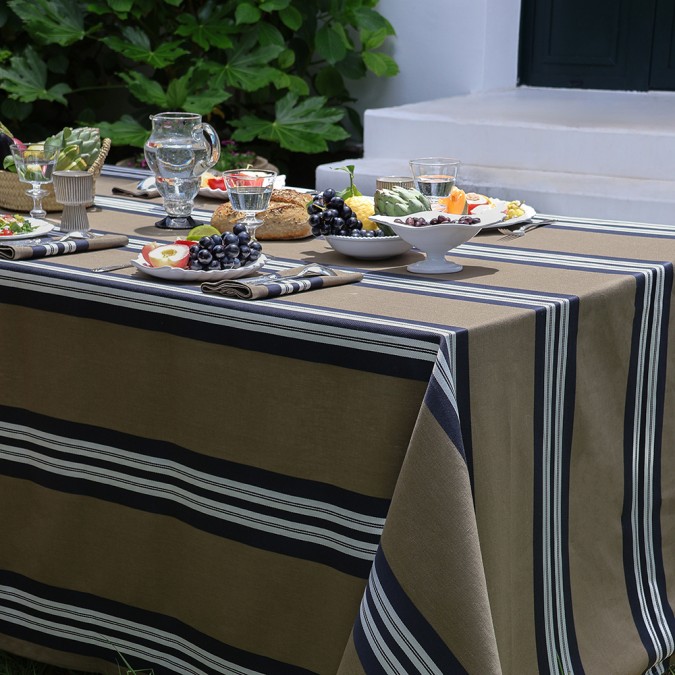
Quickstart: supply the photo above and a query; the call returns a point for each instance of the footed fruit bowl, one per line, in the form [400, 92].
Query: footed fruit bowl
[368, 248]
[435, 240]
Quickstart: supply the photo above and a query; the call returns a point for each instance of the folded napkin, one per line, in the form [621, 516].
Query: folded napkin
[249, 289]
[23, 252]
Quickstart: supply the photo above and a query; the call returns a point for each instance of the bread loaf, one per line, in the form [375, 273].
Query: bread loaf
[286, 217]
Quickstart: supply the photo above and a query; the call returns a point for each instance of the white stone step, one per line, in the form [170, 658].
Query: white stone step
[567, 152]
[600, 133]
[550, 192]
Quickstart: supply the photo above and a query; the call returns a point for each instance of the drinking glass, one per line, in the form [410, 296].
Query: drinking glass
[179, 150]
[35, 164]
[249, 192]
[434, 177]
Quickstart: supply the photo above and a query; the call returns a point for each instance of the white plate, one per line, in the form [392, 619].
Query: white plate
[368, 248]
[499, 205]
[41, 227]
[279, 183]
[179, 274]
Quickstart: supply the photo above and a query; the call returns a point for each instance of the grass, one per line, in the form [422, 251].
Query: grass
[15, 665]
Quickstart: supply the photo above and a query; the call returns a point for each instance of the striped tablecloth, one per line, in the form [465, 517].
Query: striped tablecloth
[470, 473]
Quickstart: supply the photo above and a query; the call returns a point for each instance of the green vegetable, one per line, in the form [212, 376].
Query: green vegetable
[351, 191]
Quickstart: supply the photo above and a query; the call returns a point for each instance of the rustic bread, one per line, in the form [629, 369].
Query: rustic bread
[286, 217]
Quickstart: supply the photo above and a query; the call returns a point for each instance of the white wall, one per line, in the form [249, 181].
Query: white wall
[445, 48]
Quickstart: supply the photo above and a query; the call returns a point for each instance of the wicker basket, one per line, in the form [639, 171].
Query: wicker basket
[13, 195]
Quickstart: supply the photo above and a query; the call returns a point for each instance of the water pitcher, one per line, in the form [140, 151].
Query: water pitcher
[180, 149]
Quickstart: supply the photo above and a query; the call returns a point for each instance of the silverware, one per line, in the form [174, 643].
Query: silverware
[523, 229]
[112, 268]
[312, 270]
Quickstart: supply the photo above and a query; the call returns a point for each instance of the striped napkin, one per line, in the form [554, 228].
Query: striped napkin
[251, 290]
[18, 251]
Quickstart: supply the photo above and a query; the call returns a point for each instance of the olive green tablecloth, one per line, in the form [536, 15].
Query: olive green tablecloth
[470, 473]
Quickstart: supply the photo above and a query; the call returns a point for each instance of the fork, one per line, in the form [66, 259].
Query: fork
[523, 229]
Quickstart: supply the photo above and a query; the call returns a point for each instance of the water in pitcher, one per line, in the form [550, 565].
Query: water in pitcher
[177, 165]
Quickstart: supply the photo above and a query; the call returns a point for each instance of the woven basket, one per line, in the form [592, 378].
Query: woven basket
[13, 195]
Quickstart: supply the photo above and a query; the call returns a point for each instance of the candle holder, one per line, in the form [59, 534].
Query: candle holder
[74, 189]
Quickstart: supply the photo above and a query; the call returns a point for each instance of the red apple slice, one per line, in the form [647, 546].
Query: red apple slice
[169, 255]
[145, 251]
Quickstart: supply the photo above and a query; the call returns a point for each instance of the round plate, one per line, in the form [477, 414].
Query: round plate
[41, 227]
[179, 274]
[368, 248]
[499, 205]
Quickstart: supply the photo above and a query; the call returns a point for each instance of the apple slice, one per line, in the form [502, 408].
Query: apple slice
[145, 251]
[169, 255]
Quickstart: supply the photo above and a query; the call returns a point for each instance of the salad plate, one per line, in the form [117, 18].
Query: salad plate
[180, 274]
[499, 206]
[40, 227]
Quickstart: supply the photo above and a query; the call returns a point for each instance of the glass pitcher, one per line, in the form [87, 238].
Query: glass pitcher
[180, 149]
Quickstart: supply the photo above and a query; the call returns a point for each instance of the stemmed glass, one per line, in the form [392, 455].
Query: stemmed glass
[434, 177]
[249, 191]
[35, 164]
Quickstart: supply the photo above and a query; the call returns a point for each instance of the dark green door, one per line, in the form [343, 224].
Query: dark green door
[598, 44]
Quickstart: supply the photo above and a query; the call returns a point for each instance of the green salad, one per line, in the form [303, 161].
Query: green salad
[15, 224]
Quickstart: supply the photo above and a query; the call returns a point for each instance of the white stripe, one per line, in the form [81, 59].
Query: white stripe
[389, 663]
[206, 481]
[398, 630]
[108, 622]
[209, 507]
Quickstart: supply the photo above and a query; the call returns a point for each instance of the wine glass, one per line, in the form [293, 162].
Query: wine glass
[249, 191]
[434, 177]
[35, 164]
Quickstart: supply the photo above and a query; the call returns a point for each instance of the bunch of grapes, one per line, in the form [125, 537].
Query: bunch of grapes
[328, 214]
[229, 250]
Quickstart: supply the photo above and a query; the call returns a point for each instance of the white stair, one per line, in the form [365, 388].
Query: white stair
[573, 152]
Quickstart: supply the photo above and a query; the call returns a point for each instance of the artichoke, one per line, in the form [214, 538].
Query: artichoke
[79, 148]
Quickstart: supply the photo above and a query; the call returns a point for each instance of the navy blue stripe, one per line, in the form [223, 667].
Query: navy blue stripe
[117, 610]
[255, 338]
[414, 621]
[437, 402]
[633, 541]
[626, 519]
[539, 580]
[219, 526]
[658, 449]
[463, 384]
[566, 460]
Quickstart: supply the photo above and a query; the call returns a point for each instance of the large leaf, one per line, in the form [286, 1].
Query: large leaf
[126, 131]
[51, 21]
[303, 126]
[135, 45]
[249, 70]
[211, 34]
[26, 80]
[247, 13]
[194, 91]
[144, 89]
[380, 64]
[330, 43]
[269, 35]
[274, 5]
[365, 18]
[291, 18]
[120, 7]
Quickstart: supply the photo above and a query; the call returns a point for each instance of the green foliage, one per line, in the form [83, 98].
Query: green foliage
[268, 72]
